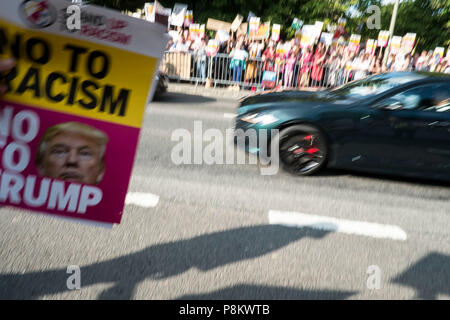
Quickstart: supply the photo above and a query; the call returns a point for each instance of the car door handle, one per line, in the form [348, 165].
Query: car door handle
[439, 124]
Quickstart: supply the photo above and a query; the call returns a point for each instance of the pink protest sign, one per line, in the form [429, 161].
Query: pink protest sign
[70, 121]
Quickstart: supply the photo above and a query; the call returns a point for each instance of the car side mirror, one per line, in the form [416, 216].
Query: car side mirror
[390, 105]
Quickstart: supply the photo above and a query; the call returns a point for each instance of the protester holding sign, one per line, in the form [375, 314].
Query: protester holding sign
[268, 69]
[344, 64]
[318, 60]
[268, 57]
[238, 57]
[250, 73]
[306, 61]
[290, 63]
[395, 44]
[182, 45]
[333, 67]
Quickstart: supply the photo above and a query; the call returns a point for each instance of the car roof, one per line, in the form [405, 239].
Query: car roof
[415, 75]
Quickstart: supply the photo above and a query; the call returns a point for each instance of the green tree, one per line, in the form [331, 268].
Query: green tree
[429, 19]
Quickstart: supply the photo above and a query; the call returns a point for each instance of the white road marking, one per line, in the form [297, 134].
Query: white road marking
[229, 115]
[296, 219]
[146, 200]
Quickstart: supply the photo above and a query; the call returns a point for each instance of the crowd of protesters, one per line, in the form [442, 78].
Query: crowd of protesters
[308, 66]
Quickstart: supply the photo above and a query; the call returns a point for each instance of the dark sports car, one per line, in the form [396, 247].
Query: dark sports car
[394, 123]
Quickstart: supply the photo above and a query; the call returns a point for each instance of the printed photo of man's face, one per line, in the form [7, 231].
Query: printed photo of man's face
[73, 152]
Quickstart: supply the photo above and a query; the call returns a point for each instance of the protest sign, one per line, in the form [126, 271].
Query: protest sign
[269, 79]
[194, 31]
[308, 33]
[408, 42]
[371, 46]
[276, 28]
[202, 31]
[155, 12]
[263, 31]
[149, 10]
[281, 49]
[353, 44]
[383, 38]
[178, 14]
[250, 15]
[188, 18]
[213, 24]
[319, 27]
[326, 38]
[236, 23]
[296, 24]
[396, 42]
[212, 48]
[253, 27]
[70, 122]
[439, 51]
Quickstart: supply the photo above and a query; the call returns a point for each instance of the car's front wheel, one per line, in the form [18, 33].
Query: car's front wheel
[302, 149]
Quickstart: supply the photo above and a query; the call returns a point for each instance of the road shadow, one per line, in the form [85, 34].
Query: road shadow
[204, 252]
[430, 276]
[177, 97]
[255, 292]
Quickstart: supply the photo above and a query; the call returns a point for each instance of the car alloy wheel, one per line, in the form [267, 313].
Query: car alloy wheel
[302, 149]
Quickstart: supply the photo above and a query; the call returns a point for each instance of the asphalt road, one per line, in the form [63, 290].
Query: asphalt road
[210, 237]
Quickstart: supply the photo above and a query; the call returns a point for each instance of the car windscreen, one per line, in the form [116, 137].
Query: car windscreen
[371, 86]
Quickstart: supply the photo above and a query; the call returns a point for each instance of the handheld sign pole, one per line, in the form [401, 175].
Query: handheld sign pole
[391, 32]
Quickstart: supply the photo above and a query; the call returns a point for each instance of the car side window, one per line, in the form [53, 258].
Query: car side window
[441, 99]
[431, 97]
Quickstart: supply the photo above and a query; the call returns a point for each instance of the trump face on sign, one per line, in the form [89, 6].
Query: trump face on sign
[74, 152]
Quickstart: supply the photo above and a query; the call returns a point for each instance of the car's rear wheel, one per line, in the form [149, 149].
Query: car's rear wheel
[302, 149]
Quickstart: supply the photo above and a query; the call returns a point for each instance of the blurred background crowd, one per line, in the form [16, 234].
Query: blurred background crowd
[246, 60]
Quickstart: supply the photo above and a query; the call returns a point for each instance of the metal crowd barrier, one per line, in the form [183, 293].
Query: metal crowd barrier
[194, 68]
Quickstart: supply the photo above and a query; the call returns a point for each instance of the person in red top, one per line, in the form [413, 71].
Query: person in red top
[318, 60]
[268, 69]
[289, 68]
[305, 63]
[268, 58]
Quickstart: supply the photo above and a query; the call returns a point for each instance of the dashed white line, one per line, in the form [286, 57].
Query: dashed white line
[146, 200]
[229, 115]
[376, 230]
